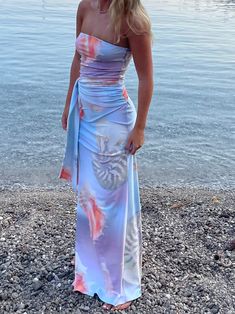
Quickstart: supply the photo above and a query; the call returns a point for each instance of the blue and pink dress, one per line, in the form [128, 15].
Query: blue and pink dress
[108, 244]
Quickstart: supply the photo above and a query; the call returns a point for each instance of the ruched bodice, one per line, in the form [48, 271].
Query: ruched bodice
[101, 62]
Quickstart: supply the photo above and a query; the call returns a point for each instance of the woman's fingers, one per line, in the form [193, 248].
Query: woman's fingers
[64, 121]
[64, 126]
[134, 148]
[135, 141]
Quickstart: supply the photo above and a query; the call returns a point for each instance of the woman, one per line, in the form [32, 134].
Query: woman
[104, 131]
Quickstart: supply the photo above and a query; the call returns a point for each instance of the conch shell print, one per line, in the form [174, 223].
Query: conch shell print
[110, 163]
[94, 213]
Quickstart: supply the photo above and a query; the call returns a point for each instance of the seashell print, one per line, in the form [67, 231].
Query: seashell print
[92, 46]
[65, 174]
[124, 93]
[94, 213]
[79, 266]
[87, 46]
[79, 283]
[110, 167]
[107, 278]
[110, 171]
[133, 250]
[81, 113]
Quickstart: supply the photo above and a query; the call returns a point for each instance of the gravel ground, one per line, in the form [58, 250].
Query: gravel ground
[188, 252]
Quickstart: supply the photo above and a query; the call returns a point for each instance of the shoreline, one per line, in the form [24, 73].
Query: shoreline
[142, 185]
[188, 265]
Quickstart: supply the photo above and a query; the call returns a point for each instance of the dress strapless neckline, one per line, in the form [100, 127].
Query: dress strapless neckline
[105, 41]
[104, 174]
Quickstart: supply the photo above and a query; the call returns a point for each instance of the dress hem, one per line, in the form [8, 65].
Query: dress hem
[106, 300]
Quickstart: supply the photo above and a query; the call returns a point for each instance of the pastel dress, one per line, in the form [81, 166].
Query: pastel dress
[104, 175]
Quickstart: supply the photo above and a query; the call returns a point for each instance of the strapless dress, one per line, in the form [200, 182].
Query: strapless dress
[108, 244]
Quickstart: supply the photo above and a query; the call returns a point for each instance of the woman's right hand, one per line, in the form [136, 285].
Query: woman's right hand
[64, 119]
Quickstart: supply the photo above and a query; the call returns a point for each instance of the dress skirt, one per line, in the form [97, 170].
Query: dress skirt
[108, 243]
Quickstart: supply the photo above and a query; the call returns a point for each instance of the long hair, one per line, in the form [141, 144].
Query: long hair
[135, 15]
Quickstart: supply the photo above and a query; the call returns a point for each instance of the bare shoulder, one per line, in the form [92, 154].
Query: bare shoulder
[140, 40]
[139, 37]
[143, 38]
[138, 30]
[84, 5]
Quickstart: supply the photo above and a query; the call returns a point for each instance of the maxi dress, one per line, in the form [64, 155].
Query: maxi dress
[104, 175]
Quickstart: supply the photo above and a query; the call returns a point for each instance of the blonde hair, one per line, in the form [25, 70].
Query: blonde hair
[135, 15]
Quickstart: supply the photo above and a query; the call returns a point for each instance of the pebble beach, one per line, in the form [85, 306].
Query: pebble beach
[188, 252]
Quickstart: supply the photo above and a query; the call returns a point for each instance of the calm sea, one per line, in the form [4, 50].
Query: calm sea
[189, 139]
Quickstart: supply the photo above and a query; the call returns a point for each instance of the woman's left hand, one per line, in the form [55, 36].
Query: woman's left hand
[135, 140]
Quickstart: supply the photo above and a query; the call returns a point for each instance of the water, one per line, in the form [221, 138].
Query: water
[189, 139]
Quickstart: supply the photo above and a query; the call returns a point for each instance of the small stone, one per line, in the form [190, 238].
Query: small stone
[188, 294]
[15, 295]
[215, 309]
[50, 277]
[21, 306]
[230, 246]
[168, 296]
[148, 302]
[37, 285]
[84, 308]
[224, 215]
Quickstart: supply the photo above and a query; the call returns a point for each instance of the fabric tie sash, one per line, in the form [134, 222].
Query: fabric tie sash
[70, 164]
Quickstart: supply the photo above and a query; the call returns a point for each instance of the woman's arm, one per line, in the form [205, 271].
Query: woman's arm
[75, 66]
[141, 47]
[142, 55]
